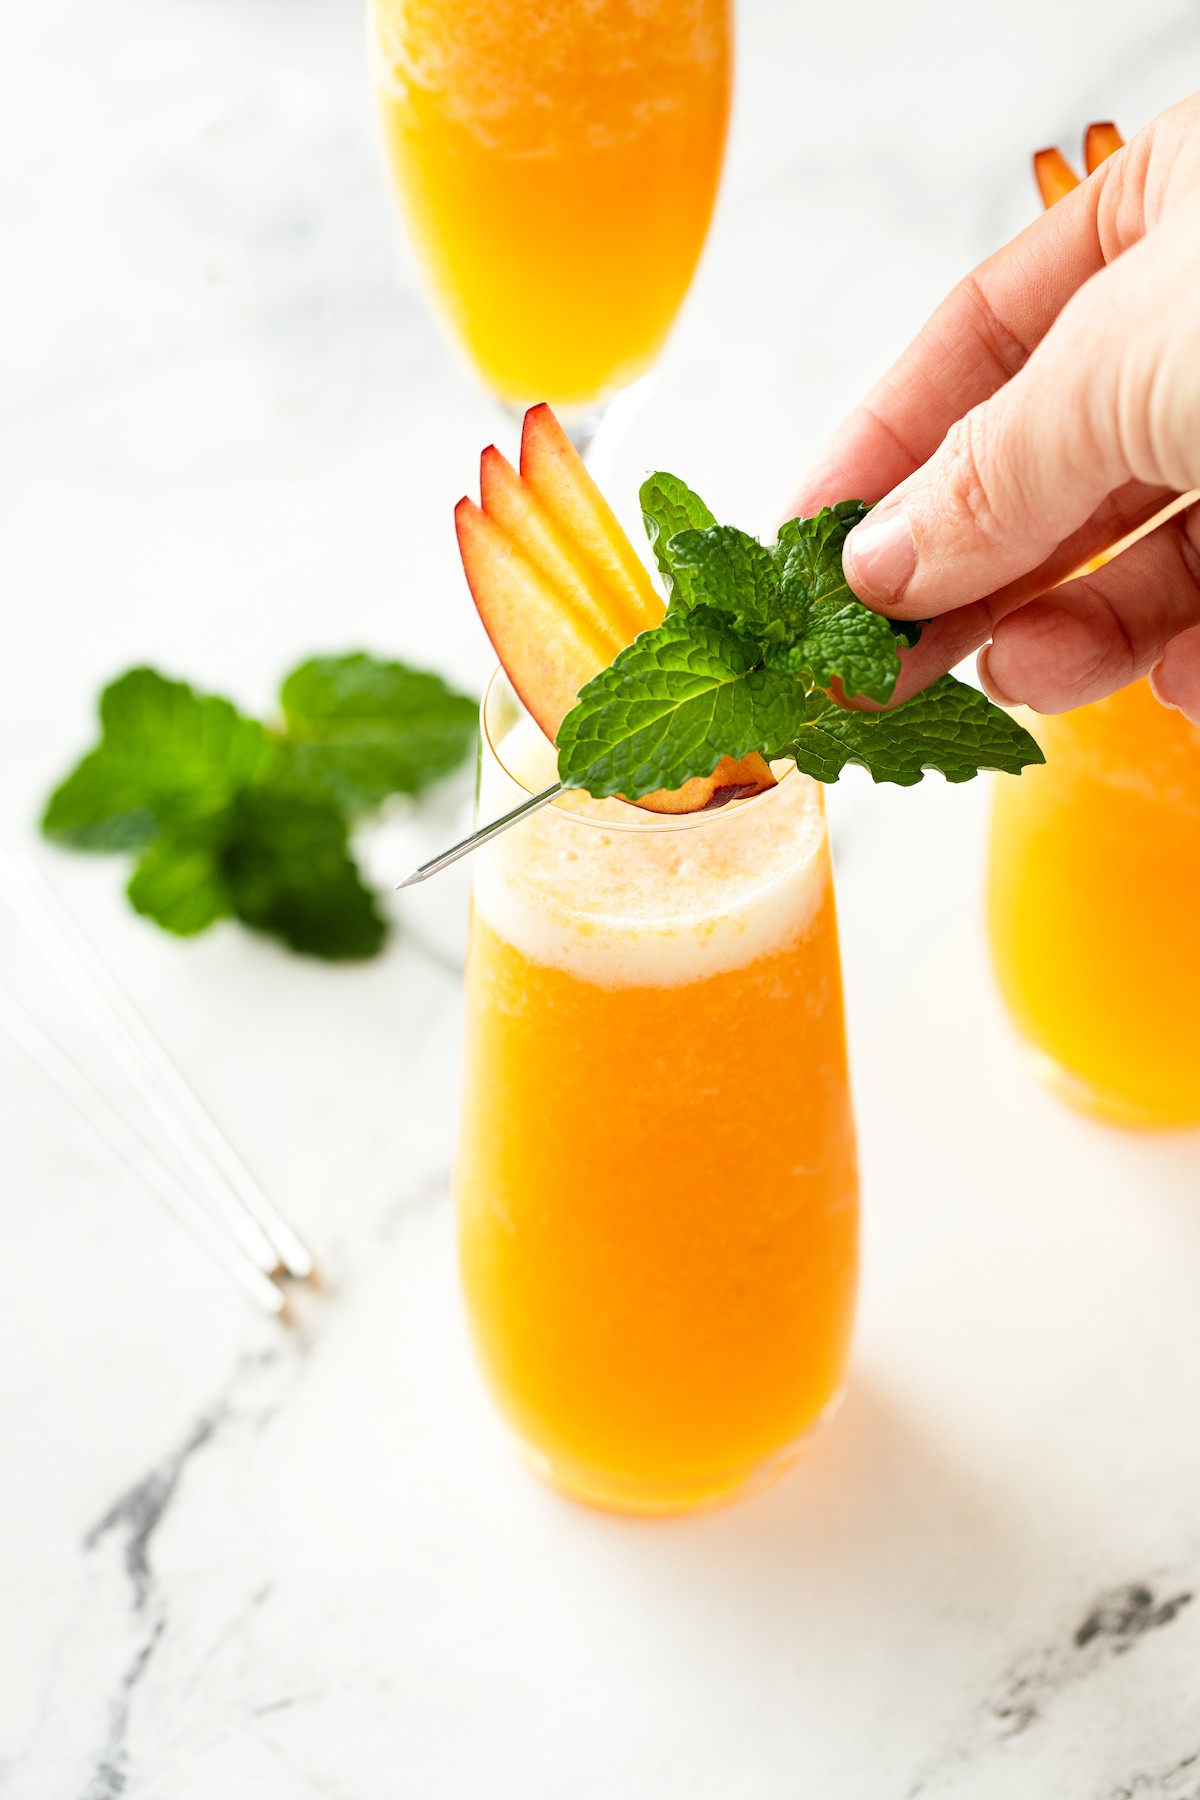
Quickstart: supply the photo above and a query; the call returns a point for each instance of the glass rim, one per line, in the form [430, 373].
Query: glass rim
[641, 820]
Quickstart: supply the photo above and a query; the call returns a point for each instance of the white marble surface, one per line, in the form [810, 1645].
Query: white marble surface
[242, 1563]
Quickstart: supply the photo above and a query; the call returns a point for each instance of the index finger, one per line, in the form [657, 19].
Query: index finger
[978, 338]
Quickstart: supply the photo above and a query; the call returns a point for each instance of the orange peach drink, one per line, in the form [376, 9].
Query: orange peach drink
[558, 165]
[656, 1182]
[1095, 860]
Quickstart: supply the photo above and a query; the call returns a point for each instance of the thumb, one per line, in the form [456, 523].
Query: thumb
[1022, 471]
[1175, 679]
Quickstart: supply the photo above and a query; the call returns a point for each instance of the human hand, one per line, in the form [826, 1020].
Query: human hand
[1049, 407]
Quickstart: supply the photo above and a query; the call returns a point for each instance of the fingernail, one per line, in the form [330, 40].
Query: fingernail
[991, 687]
[1158, 689]
[880, 555]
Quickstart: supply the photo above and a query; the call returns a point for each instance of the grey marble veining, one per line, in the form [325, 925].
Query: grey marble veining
[240, 1562]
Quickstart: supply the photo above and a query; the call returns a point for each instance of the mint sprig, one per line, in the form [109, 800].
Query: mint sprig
[755, 639]
[233, 818]
[683, 695]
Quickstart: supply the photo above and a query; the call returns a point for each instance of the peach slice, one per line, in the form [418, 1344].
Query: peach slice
[560, 590]
[541, 642]
[1054, 174]
[512, 504]
[731, 780]
[555, 472]
[1101, 140]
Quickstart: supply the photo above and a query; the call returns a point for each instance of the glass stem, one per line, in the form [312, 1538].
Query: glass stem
[598, 431]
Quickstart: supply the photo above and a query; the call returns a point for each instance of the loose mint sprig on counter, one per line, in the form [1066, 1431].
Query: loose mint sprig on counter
[754, 638]
[233, 818]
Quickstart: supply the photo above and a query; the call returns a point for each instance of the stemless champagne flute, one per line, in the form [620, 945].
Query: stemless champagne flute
[656, 1186]
[1095, 863]
[558, 162]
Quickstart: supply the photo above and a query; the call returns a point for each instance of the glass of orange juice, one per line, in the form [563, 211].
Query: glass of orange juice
[558, 165]
[656, 1186]
[1095, 864]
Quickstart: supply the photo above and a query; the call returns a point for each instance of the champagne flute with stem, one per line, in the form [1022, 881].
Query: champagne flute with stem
[557, 162]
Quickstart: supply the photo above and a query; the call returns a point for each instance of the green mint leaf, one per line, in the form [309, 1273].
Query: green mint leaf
[361, 729]
[848, 643]
[950, 727]
[829, 633]
[167, 756]
[817, 542]
[808, 558]
[278, 860]
[178, 884]
[669, 507]
[102, 805]
[725, 568]
[673, 703]
[813, 547]
[286, 867]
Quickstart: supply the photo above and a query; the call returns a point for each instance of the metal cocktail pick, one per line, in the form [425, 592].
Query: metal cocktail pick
[221, 1203]
[137, 1154]
[484, 835]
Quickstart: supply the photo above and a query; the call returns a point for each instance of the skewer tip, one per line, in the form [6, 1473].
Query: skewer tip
[483, 834]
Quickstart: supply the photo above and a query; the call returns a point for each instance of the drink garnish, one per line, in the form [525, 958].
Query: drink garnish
[754, 640]
[560, 589]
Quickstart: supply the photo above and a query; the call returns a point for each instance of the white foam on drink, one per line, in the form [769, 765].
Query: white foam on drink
[659, 905]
